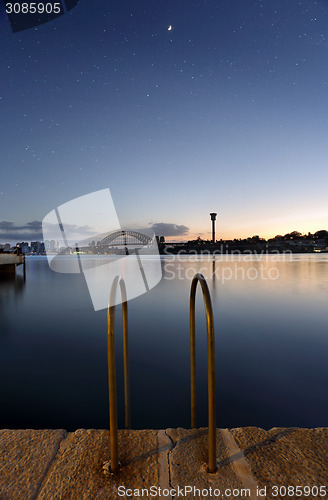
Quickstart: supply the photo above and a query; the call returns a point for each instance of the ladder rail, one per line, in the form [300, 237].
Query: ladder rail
[112, 387]
[199, 278]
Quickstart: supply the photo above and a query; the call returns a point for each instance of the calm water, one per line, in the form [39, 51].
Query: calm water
[271, 325]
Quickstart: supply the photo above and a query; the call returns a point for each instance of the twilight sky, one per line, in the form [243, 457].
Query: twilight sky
[225, 112]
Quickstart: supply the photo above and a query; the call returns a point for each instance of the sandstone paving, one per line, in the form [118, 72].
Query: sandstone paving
[54, 464]
[188, 464]
[286, 456]
[78, 472]
[25, 457]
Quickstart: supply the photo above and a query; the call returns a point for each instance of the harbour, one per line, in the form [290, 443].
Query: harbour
[270, 345]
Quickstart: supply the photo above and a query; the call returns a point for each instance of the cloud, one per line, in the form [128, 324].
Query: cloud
[73, 233]
[161, 229]
[168, 229]
[31, 226]
[30, 231]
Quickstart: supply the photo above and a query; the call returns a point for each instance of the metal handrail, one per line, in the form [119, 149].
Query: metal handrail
[112, 369]
[199, 278]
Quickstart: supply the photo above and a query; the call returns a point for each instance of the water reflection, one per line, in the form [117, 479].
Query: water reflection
[11, 293]
[11, 288]
[271, 328]
[213, 272]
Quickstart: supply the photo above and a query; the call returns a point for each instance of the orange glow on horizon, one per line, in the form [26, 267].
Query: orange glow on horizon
[266, 234]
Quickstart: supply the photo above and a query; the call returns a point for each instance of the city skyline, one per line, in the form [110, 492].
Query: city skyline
[54, 245]
[9, 233]
[224, 111]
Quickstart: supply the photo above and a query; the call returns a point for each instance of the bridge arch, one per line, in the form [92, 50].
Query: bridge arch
[124, 238]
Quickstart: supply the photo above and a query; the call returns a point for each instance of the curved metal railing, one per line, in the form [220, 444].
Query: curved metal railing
[199, 278]
[114, 464]
[118, 281]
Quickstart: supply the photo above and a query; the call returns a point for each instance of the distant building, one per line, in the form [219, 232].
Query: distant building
[36, 246]
[54, 246]
[24, 247]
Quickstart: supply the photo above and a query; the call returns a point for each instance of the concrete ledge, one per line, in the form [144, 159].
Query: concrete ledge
[7, 259]
[54, 464]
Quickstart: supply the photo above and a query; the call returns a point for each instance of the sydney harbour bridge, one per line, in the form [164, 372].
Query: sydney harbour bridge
[119, 242]
[125, 238]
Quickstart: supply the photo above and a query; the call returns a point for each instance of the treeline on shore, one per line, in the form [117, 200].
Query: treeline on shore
[293, 242]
